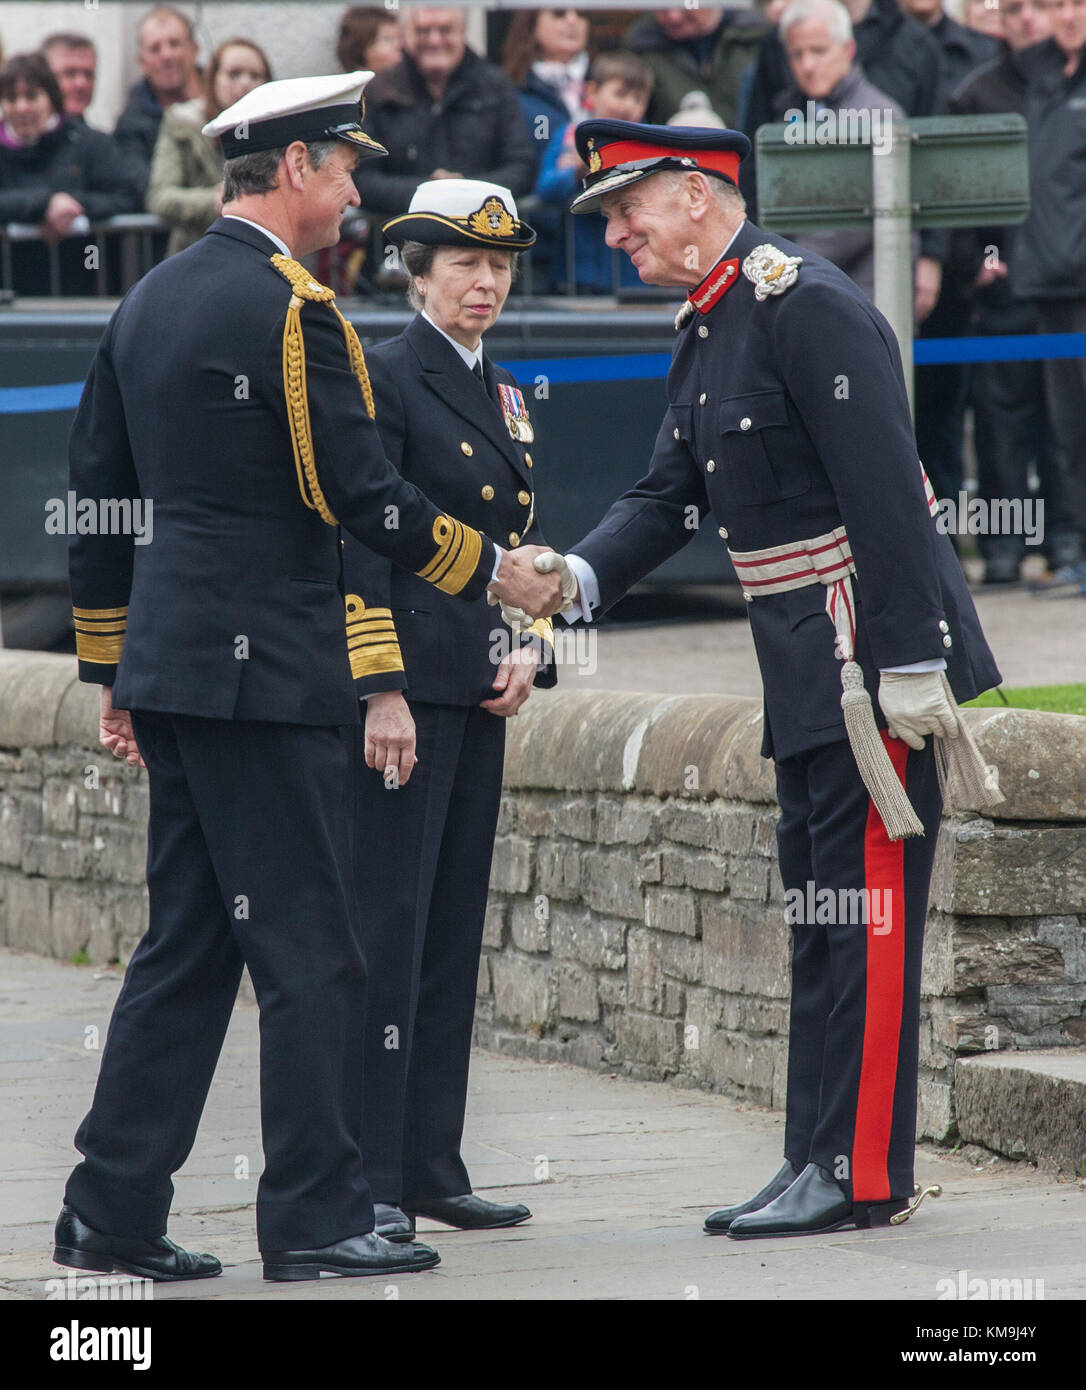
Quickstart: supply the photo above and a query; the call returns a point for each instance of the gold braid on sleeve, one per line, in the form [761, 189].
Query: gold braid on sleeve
[305, 288]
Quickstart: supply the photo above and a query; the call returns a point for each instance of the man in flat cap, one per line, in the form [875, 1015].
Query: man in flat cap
[231, 396]
[788, 421]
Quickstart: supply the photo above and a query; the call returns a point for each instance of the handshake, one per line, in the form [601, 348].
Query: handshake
[532, 582]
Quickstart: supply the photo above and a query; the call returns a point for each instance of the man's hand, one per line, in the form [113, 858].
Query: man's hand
[915, 704]
[929, 280]
[60, 212]
[519, 585]
[115, 731]
[515, 676]
[390, 737]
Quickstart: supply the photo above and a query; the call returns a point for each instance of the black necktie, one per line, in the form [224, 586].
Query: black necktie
[478, 370]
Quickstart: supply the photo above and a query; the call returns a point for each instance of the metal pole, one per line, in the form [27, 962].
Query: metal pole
[892, 218]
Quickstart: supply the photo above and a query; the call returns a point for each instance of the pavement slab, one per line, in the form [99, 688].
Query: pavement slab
[619, 1175]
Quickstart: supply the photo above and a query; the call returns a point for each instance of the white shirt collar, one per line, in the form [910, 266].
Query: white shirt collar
[466, 355]
[729, 245]
[233, 217]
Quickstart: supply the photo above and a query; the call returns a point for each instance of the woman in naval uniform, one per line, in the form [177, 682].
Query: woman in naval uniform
[438, 685]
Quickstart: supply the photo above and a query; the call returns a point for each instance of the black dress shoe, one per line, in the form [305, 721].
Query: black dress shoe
[717, 1222]
[82, 1247]
[469, 1213]
[392, 1224]
[813, 1205]
[367, 1254]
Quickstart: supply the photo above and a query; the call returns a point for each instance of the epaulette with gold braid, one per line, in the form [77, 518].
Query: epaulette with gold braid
[305, 288]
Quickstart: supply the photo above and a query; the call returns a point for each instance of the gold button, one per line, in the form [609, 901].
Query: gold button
[514, 539]
[744, 424]
[524, 497]
[703, 332]
[466, 449]
[710, 467]
[488, 492]
[528, 460]
[702, 398]
[723, 533]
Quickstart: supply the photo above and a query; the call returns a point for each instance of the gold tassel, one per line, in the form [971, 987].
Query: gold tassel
[966, 781]
[875, 768]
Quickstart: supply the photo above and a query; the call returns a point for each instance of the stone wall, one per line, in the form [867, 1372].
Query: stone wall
[636, 919]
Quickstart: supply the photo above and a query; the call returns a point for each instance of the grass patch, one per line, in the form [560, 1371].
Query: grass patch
[80, 957]
[1058, 699]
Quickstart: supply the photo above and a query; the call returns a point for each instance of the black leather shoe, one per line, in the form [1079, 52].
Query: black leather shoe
[367, 1254]
[392, 1224]
[82, 1247]
[813, 1205]
[717, 1223]
[469, 1213]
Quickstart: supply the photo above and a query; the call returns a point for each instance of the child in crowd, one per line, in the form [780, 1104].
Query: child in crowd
[618, 89]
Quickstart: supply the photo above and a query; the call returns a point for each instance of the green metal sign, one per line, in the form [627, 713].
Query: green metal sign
[816, 170]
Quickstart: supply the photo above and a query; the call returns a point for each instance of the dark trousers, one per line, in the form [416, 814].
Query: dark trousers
[854, 1032]
[1012, 434]
[1065, 391]
[940, 397]
[424, 868]
[249, 860]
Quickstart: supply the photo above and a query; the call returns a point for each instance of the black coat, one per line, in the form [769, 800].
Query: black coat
[235, 608]
[75, 159]
[446, 434]
[788, 418]
[1049, 246]
[476, 129]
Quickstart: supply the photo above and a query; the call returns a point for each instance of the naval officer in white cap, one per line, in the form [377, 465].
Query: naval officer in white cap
[229, 389]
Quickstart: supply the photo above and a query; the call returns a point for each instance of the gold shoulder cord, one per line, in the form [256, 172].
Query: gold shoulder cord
[304, 288]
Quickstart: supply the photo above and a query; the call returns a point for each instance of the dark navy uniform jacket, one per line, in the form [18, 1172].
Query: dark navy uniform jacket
[445, 432]
[235, 609]
[788, 417]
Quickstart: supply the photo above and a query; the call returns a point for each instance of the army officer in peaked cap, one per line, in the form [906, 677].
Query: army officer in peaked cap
[788, 421]
[230, 393]
[439, 679]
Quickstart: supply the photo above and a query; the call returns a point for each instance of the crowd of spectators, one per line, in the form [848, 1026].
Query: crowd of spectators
[444, 110]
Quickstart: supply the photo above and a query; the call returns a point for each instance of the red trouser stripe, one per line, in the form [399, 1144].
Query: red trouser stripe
[884, 869]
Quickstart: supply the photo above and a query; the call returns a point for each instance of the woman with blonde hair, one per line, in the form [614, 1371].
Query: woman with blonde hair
[186, 173]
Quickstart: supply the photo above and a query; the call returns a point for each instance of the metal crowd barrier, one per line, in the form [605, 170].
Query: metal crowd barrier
[135, 231]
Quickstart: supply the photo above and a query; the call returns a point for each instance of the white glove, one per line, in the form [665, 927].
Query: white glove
[517, 619]
[915, 704]
[547, 564]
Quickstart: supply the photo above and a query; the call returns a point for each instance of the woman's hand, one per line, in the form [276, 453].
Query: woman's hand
[515, 676]
[390, 738]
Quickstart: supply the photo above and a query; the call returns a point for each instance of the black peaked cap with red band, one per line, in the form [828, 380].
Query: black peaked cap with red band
[619, 153]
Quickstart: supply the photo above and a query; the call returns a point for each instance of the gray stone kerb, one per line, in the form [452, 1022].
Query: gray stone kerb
[612, 741]
[598, 740]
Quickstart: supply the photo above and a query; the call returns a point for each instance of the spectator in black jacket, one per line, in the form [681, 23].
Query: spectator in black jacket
[1049, 267]
[56, 173]
[167, 54]
[897, 55]
[1011, 431]
[941, 391]
[443, 112]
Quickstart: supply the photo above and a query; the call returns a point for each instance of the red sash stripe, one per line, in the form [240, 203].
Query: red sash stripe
[884, 868]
